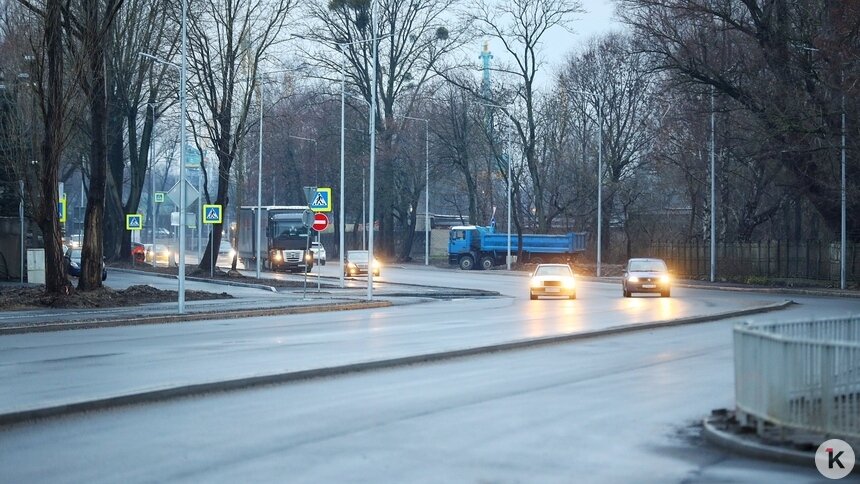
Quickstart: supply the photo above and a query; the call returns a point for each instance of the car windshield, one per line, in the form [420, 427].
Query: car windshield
[553, 271]
[75, 254]
[360, 256]
[647, 266]
[289, 229]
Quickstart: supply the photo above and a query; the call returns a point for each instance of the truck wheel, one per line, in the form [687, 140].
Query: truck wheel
[467, 263]
[487, 263]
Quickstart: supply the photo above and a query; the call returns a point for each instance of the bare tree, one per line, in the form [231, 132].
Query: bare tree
[52, 91]
[610, 86]
[520, 26]
[227, 43]
[417, 37]
[140, 91]
[786, 63]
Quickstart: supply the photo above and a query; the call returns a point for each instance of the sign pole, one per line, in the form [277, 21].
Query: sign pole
[21, 216]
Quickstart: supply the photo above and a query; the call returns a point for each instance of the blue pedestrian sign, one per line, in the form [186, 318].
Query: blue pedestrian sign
[212, 214]
[321, 200]
[133, 221]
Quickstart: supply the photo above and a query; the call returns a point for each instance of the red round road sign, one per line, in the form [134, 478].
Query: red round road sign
[320, 222]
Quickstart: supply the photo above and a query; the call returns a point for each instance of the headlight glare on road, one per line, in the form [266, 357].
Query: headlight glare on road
[632, 279]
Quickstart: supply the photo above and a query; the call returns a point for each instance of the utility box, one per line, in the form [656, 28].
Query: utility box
[36, 266]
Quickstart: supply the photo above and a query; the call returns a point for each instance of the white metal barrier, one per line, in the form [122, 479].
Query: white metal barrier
[801, 375]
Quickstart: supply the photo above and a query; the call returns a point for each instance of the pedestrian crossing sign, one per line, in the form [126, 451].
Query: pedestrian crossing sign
[133, 221]
[212, 214]
[321, 201]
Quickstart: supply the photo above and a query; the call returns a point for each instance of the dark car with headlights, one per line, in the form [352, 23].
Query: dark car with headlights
[646, 275]
[72, 258]
[357, 263]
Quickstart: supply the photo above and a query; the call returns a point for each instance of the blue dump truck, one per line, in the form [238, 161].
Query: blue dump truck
[471, 246]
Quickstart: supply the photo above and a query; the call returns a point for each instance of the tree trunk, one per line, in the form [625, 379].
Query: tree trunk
[91, 253]
[56, 281]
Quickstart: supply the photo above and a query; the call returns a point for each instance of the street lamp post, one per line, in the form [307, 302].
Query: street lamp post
[259, 209]
[426, 188]
[183, 114]
[842, 196]
[343, 94]
[374, 18]
[508, 163]
[713, 191]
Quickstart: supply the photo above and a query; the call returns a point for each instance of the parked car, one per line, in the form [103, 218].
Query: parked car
[552, 280]
[356, 263]
[138, 252]
[72, 259]
[318, 251]
[159, 254]
[646, 275]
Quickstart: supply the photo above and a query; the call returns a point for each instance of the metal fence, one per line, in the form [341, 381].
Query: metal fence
[813, 259]
[801, 375]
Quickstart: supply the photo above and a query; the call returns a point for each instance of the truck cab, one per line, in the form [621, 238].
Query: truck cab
[464, 245]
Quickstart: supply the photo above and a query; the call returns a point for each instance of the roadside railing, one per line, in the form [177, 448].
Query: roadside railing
[800, 375]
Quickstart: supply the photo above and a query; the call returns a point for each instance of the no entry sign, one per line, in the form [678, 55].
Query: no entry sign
[320, 222]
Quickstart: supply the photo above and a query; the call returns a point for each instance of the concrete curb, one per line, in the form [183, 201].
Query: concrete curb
[755, 289]
[286, 377]
[187, 317]
[748, 448]
[198, 279]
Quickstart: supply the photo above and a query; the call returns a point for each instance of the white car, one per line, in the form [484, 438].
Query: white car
[552, 280]
[318, 250]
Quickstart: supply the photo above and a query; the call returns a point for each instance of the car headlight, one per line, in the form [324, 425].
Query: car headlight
[568, 283]
[632, 279]
[277, 256]
[664, 279]
[376, 265]
[535, 283]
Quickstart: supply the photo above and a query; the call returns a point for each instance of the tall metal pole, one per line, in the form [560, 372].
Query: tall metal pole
[363, 214]
[373, 16]
[152, 183]
[713, 191]
[599, 188]
[259, 210]
[342, 155]
[427, 193]
[21, 218]
[508, 260]
[843, 241]
[183, 76]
